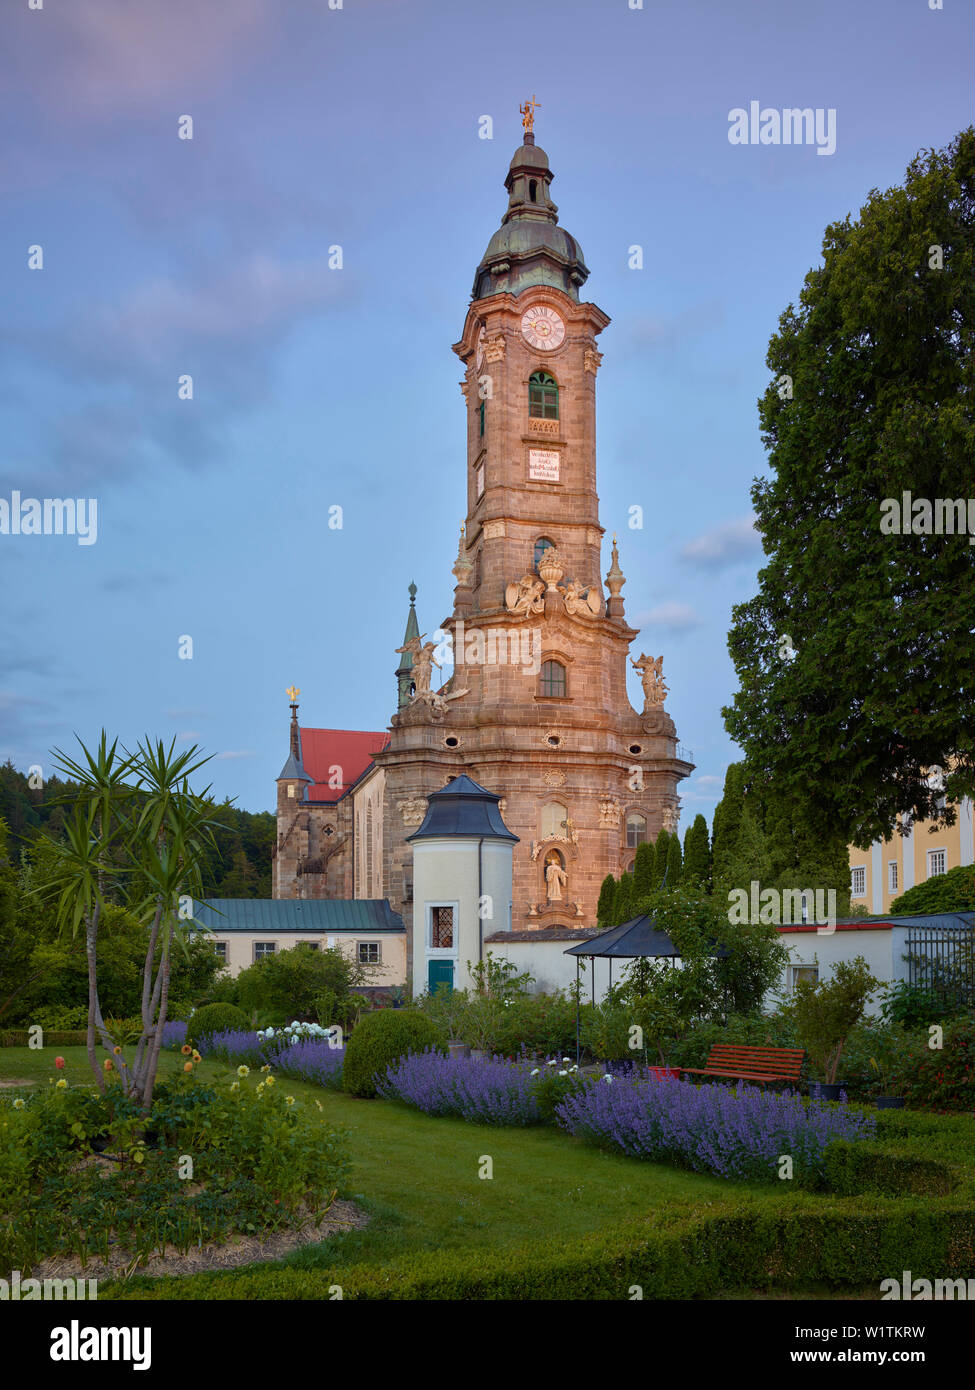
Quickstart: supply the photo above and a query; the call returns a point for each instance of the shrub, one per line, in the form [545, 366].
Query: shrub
[950, 892]
[942, 1078]
[736, 1133]
[213, 1018]
[538, 1023]
[382, 1038]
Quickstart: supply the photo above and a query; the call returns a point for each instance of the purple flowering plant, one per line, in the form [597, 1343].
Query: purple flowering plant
[734, 1132]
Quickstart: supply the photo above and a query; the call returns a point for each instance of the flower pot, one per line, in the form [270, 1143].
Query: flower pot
[457, 1049]
[664, 1073]
[824, 1090]
[890, 1102]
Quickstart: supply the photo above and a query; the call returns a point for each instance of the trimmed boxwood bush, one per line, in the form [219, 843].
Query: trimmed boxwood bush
[214, 1018]
[382, 1038]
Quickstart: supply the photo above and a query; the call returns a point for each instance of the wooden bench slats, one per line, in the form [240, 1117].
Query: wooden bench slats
[744, 1063]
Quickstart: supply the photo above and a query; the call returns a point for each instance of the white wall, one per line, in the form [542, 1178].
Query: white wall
[882, 948]
[445, 872]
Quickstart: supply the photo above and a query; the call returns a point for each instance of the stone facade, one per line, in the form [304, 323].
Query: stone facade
[537, 709]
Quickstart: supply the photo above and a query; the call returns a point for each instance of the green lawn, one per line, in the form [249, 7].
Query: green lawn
[418, 1177]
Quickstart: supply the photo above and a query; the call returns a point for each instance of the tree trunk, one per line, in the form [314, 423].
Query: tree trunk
[91, 940]
[162, 986]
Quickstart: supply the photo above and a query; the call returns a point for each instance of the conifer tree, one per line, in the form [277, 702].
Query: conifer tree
[607, 899]
[697, 855]
[674, 862]
[727, 822]
[624, 900]
[643, 870]
[750, 861]
[660, 857]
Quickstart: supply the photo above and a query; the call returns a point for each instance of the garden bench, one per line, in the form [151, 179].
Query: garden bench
[751, 1063]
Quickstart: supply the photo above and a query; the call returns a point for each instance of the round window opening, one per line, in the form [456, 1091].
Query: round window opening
[451, 742]
[636, 748]
[554, 741]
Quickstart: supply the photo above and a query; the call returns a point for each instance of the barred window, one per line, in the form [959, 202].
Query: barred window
[442, 928]
[264, 948]
[858, 882]
[368, 952]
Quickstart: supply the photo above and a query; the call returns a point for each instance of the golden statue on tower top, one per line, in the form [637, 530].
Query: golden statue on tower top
[528, 113]
[292, 693]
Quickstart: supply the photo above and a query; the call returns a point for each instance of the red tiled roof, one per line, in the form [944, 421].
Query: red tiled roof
[350, 750]
[845, 926]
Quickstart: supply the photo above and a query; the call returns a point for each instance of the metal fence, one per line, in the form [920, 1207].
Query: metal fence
[942, 960]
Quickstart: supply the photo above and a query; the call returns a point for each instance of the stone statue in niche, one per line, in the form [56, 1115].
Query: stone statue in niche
[555, 878]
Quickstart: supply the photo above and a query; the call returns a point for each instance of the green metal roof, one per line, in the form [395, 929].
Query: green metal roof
[290, 915]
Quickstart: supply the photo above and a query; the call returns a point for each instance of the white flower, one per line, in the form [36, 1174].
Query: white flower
[19, 1103]
[550, 1062]
[533, 1072]
[607, 1077]
[563, 1072]
[566, 1059]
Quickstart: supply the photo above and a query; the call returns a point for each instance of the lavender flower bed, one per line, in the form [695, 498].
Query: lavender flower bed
[174, 1033]
[310, 1059]
[236, 1045]
[489, 1093]
[739, 1133]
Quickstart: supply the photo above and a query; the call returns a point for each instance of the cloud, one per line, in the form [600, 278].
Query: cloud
[103, 56]
[724, 545]
[234, 753]
[223, 330]
[672, 617]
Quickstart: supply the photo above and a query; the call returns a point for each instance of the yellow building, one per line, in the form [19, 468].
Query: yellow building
[889, 867]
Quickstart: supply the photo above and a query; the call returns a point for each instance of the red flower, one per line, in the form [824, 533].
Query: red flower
[59, 1063]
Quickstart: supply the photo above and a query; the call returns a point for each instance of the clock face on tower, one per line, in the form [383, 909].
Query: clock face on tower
[542, 328]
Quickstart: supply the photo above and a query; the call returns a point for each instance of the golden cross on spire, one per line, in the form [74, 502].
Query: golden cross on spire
[528, 113]
[292, 693]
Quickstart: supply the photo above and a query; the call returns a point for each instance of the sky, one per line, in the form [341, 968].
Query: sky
[359, 125]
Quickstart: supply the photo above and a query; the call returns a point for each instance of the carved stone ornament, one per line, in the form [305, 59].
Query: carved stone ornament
[553, 778]
[494, 348]
[527, 596]
[413, 810]
[591, 360]
[493, 530]
[610, 812]
[672, 815]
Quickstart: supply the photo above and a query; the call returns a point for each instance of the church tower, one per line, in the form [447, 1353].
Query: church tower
[536, 710]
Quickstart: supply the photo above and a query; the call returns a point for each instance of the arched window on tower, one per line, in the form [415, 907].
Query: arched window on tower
[636, 829]
[552, 681]
[541, 545]
[543, 396]
[369, 849]
[532, 190]
[554, 817]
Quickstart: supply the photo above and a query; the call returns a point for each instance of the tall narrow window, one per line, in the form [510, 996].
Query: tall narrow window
[369, 893]
[543, 396]
[636, 829]
[553, 679]
[480, 413]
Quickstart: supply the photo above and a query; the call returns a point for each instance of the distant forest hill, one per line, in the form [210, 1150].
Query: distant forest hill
[237, 866]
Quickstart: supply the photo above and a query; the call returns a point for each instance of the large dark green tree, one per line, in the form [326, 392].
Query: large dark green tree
[855, 657]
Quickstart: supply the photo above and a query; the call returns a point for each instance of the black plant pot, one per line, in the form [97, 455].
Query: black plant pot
[824, 1090]
[890, 1102]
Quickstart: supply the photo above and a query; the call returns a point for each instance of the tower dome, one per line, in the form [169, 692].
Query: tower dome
[530, 248]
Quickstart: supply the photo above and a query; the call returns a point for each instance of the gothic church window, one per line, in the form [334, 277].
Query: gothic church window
[543, 396]
[369, 849]
[553, 679]
[636, 829]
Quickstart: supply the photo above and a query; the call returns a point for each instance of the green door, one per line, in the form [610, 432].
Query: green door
[440, 972]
